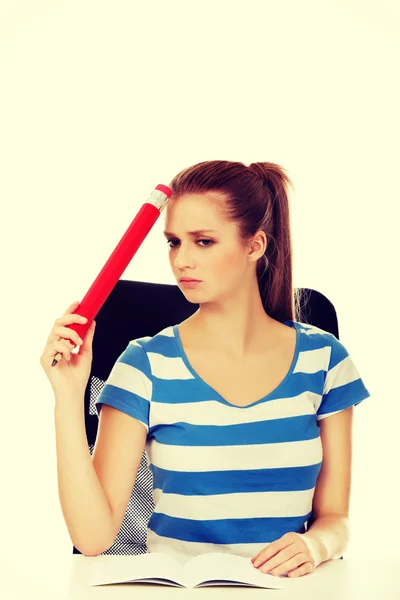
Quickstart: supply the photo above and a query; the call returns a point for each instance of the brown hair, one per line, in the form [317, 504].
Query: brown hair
[256, 197]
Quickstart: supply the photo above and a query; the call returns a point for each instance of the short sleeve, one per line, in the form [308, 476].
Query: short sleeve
[129, 385]
[343, 385]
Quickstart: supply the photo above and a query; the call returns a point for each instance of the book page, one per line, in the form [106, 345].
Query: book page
[219, 567]
[149, 567]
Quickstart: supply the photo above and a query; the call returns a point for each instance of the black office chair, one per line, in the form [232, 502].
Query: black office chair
[136, 309]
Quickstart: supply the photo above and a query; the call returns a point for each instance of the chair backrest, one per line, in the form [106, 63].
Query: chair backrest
[137, 309]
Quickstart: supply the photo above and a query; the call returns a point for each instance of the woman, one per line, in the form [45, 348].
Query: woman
[232, 403]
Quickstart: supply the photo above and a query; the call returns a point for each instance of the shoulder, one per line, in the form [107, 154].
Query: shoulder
[319, 344]
[154, 342]
[146, 351]
[316, 336]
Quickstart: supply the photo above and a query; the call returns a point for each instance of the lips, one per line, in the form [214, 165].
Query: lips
[184, 279]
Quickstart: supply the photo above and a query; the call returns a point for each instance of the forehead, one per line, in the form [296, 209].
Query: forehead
[194, 213]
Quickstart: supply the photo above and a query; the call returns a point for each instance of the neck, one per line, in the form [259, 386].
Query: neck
[236, 333]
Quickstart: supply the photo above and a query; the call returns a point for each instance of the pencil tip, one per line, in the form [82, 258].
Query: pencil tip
[54, 362]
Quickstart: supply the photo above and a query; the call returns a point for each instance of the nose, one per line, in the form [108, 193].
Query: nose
[183, 259]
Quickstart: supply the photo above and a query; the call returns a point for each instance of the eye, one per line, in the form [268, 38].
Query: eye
[208, 245]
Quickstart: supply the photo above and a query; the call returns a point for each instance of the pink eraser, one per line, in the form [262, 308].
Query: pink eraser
[165, 189]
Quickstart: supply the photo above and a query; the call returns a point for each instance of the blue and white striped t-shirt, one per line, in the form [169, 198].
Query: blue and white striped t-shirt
[230, 478]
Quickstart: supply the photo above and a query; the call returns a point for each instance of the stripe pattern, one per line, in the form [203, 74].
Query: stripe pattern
[228, 478]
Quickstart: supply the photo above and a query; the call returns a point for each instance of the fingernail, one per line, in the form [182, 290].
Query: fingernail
[257, 563]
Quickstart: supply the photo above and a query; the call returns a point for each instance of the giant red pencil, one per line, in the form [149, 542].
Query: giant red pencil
[119, 260]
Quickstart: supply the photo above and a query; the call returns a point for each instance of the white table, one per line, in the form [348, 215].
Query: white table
[43, 576]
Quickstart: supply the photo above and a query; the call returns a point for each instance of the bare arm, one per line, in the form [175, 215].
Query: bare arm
[94, 490]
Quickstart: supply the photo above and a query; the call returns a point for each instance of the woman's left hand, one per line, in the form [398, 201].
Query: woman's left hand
[293, 554]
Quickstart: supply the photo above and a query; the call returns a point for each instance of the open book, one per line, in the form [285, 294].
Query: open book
[214, 568]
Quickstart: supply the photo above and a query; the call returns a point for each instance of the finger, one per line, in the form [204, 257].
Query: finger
[287, 565]
[70, 318]
[63, 321]
[302, 570]
[264, 554]
[61, 349]
[278, 559]
[269, 551]
[88, 339]
[90, 331]
[53, 343]
[56, 348]
[66, 333]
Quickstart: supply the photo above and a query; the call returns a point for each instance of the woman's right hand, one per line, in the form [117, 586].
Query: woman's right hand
[71, 374]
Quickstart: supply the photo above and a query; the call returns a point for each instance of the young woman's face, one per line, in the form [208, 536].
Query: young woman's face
[217, 258]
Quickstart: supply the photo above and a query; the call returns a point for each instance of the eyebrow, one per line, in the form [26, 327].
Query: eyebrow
[192, 232]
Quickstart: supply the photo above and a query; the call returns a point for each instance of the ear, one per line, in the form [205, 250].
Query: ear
[258, 245]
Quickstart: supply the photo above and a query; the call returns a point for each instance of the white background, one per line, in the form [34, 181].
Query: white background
[101, 101]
